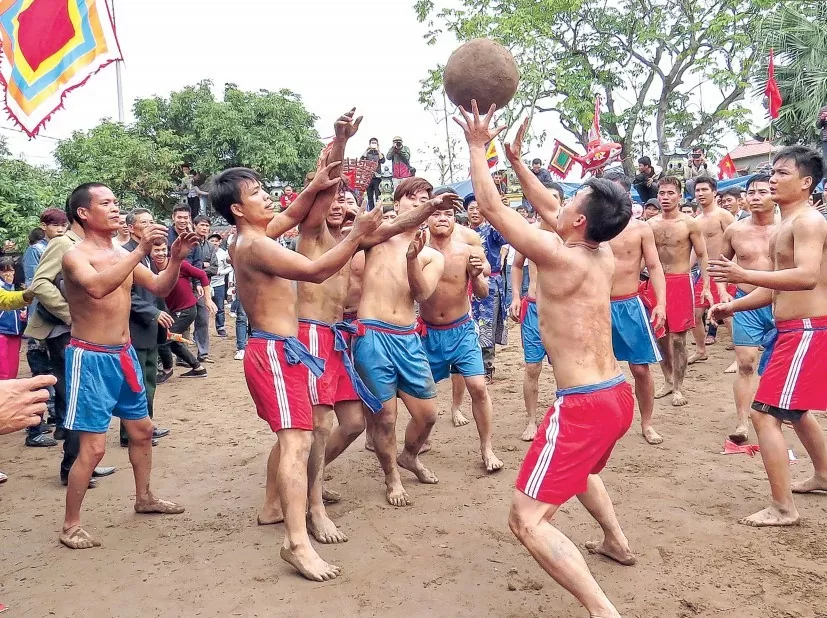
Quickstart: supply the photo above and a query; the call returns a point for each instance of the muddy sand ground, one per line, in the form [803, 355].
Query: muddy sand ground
[449, 554]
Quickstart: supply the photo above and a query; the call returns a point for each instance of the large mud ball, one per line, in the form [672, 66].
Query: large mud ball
[484, 70]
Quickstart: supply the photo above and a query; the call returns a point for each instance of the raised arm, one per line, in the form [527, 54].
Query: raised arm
[424, 269]
[537, 245]
[100, 284]
[272, 258]
[656, 276]
[544, 202]
[809, 237]
[295, 214]
[411, 220]
[696, 237]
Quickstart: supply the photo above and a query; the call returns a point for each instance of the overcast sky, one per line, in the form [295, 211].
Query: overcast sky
[364, 53]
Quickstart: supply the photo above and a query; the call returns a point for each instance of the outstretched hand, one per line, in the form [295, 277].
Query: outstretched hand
[153, 233]
[366, 222]
[182, 246]
[726, 271]
[322, 180]
[345, 126]
[477, 130]
[513, 150]
[720, 312]
[416, 246]
[444, 201]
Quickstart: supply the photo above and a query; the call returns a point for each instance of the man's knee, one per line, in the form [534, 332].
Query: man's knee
[746, 368]
[140, 432]
[533, 370]
[640, 372]
[94, 450]
[352, 425]
[477, 389]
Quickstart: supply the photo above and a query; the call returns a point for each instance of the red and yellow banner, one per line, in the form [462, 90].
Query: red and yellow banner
[49, 48]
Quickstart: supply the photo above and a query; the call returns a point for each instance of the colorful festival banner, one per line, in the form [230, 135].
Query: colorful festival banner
[49, 48]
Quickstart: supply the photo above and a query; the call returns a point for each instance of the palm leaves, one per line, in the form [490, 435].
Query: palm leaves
[797, 31]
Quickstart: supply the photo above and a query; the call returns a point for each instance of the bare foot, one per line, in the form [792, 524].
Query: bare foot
[621, 555]
[733, 368]
[369, 443]
[491, 461]
[771, 516]
[529, 433]
[425, 447]
[164, 507]
[310, 564]
[814, 483]
[740, 435]
[412, 464]
[458, 419]
[664, 390]
[270, 515]
[652, 436]
[709, 340]
[396, 494]
[730, 347]
[330, 497]
[77, 538]
[678, 399]
[696, 358]
[324, 530]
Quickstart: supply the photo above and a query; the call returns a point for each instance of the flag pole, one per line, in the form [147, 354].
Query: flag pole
[118, 76]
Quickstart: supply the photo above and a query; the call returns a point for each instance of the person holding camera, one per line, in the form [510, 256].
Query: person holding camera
[696, 167]
[374, 154]
[400, 158]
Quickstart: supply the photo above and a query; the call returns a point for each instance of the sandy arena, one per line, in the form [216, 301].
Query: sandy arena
[450, 554]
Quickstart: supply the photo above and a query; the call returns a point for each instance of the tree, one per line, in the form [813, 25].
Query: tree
[26, 191]
[661, 59]
[797, 32]
[137, 169]
[448, 165]
[271, 132]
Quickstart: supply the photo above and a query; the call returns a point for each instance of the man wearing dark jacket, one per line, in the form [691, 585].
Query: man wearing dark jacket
[147, 323]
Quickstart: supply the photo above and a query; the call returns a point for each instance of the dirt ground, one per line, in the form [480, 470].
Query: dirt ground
[449, 554]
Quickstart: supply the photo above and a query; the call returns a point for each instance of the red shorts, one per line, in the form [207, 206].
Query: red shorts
[334, 385]
[575, 440]
[680, 303]
[278, 388]
[713, 287]
[794, 376]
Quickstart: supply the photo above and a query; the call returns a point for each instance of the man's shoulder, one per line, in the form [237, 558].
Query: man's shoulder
[810, 217]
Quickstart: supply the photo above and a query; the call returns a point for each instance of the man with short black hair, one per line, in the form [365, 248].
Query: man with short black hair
[645, 182]
[594, 405]
[209, 263]
[542, 174]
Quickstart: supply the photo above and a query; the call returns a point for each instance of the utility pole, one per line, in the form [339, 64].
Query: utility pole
[118, 76]
[448, 138]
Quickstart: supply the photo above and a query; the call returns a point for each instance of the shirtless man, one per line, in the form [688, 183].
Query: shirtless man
[793, 381]
[594, 405]
[449, 334]
[714, 221]
[103, 374]
[276, 362]
[676, 235]
[388, 351]
[749, 240]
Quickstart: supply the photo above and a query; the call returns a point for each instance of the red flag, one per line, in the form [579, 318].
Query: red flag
[726, 168]
[772, 92]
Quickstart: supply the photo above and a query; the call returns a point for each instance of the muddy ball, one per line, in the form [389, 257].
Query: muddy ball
[484, 70]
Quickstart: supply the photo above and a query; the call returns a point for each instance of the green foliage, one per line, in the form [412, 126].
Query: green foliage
[25, 191]
[798, 34]
[138, 170]
[645, 57]
[270, 132]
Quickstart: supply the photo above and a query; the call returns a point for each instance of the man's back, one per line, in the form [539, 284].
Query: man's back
[575, 322]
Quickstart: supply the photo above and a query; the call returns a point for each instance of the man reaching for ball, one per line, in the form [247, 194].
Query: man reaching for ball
[594, 405]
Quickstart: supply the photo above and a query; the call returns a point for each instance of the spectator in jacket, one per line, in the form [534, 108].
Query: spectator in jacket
[210, 266]
[147, 322]
[218, 282]
[645, 183]
[11, 325]
[181, 305]
[543, 175]
[374, 154]
[123, 231]
[288, 197]
[400, 158]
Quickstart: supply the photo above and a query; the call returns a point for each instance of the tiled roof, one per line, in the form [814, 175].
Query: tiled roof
[752, 148]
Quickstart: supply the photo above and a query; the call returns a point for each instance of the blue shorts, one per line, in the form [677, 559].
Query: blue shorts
[632, 337]
[453, 348]
[102, 381]
[391, 358]
[749, 328]
[533, 350]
